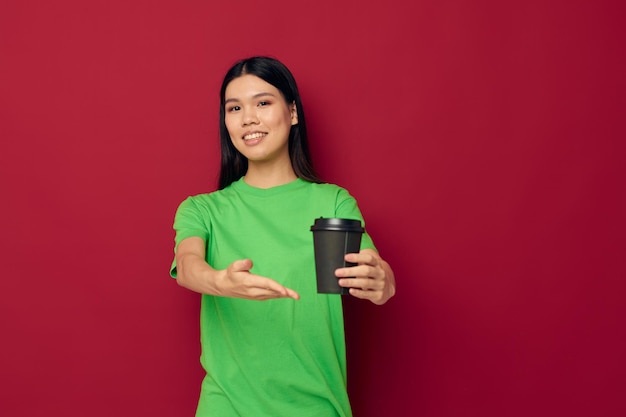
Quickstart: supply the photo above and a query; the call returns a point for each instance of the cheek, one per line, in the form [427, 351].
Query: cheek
[279, 119]
[236, 143]
[230, 125]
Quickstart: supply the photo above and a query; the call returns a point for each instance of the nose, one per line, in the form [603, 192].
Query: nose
[249, 117]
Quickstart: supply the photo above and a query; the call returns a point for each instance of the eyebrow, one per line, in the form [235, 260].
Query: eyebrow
[236, 100]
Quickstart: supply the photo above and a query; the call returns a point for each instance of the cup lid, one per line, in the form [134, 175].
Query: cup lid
[337, 224]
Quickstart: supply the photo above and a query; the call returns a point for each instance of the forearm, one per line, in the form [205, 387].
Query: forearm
[195, 274]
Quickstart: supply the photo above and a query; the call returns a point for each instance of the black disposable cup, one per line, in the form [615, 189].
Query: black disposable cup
[332, 239]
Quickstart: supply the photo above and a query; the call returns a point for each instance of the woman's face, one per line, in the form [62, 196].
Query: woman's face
[258, 119]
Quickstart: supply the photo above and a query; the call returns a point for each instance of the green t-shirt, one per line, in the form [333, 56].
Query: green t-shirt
[280, 357]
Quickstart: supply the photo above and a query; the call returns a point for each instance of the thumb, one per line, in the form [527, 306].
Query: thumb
[242, 265]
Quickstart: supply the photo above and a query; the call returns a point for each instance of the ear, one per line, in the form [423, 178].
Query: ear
[294, 113]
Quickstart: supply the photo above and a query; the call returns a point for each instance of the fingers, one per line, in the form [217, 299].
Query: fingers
[362, 258]
[375, 297]
[244, 284]
[262, 288]
[368, 265]
[368, 280]
[274, 289]
[365, 271]
[365, 284]
[364, 277]
[292, 294]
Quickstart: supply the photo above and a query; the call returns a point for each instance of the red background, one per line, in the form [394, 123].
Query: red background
[484, 141]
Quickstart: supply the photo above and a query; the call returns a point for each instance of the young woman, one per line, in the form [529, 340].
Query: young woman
[251, 241]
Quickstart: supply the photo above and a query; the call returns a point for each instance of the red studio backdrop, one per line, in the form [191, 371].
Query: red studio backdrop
[484, 141]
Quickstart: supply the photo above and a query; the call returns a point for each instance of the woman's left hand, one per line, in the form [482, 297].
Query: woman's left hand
[373, 278]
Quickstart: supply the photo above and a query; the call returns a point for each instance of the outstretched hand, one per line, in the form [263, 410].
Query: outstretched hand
[237, 281]
[373, 278]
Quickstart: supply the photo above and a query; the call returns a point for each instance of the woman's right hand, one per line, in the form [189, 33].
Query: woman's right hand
[194, 273]
[238, 281]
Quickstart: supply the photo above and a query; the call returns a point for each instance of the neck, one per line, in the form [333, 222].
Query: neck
[269, 175]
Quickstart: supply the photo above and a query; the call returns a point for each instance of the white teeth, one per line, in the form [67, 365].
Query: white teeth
[254, 136]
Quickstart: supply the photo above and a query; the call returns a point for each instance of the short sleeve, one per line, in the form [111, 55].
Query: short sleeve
[188, 222]
[347, 208]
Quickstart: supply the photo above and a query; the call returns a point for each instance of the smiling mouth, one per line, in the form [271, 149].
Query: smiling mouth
[255, 135]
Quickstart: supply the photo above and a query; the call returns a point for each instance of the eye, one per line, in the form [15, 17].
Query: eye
[264, 103]
[233, 108]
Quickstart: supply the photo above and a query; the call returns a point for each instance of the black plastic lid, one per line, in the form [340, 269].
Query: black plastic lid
[338, 225]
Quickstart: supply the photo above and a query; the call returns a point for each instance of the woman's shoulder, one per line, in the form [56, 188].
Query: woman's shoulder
[331, 192]
[203, 199]
[330, 188]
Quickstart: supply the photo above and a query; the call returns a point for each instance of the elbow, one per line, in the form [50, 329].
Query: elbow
[180, 280]
[181, 272]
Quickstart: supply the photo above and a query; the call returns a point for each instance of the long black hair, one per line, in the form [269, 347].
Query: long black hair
[233, 164]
